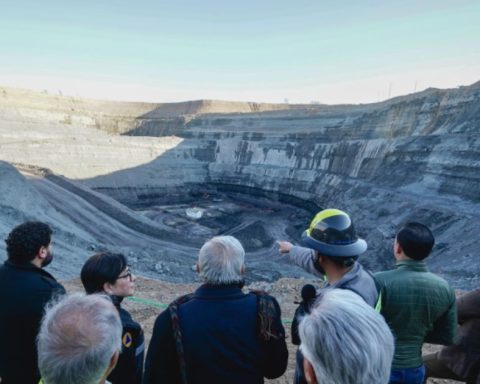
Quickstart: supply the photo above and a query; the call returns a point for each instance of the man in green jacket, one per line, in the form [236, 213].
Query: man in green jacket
[419, 306]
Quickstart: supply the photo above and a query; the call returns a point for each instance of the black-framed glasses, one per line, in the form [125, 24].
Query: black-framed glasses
[127, 275]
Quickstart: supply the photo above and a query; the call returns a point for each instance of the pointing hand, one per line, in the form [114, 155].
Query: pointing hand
[284, 246]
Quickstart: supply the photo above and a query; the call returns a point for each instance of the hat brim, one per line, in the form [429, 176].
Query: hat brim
[345, 250]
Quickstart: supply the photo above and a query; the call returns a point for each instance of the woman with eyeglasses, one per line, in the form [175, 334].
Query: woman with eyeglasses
[109, 273]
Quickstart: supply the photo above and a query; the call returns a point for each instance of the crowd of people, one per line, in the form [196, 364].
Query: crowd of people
[355, 328]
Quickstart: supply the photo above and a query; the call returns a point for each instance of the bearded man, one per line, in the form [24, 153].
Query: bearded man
[25, 289]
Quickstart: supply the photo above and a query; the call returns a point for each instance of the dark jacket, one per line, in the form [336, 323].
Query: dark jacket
[463, 358]
[24, 291]
[220, 341]
[129, 368]
[419, 307]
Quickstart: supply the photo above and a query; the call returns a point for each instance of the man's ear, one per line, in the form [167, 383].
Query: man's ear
[309, 372]
[113, 363]
[242, 269]
[398, 248]
[42, 252]
[197, 267]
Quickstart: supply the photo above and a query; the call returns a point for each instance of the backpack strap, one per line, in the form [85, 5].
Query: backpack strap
[177, 334]
[267, 311]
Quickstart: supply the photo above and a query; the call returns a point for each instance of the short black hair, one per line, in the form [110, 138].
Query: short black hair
[416, 240]
[102, 268]
[342, 261]
[25, 240]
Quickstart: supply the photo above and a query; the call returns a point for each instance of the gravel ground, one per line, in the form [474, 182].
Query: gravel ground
[151, 297]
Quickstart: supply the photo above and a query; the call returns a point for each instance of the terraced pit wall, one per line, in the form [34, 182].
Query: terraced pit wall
[415, 157]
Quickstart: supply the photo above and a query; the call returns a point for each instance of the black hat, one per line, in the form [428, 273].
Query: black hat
[332, 233]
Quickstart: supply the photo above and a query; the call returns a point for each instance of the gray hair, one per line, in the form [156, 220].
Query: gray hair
[77, 339]
[346, 341]
[221, 260]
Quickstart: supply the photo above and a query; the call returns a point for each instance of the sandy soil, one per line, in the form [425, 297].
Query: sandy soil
[152, 296]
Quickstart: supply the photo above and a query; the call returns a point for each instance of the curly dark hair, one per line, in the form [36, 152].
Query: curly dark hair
[25, 240]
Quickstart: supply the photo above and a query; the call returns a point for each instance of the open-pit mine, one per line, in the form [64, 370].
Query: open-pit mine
[155, 181]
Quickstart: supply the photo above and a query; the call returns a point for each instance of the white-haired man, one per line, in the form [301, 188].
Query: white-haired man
[79, 340]
[344, 341]
[218, 334]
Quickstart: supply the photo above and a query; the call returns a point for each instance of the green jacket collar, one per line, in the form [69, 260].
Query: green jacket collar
[412, 265]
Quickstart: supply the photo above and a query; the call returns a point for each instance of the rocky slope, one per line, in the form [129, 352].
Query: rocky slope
[415, 157]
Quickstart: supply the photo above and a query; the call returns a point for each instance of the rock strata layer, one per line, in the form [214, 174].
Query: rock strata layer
[415, 157]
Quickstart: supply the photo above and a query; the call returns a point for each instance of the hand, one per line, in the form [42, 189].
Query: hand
[284, 246]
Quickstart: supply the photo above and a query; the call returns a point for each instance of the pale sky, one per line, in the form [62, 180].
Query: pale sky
[330, 51]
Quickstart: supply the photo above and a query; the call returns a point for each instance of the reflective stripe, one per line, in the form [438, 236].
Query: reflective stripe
[378, 305]
[140, 349]
[322, 215]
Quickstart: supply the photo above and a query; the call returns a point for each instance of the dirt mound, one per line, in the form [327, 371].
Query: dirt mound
[27, 99]
[20, 201]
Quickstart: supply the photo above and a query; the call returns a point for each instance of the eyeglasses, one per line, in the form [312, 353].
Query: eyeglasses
[127, 275]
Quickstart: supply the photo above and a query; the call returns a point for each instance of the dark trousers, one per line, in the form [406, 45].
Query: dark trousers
[436, 368]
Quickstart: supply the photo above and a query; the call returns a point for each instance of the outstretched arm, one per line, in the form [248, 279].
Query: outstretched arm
[303, 257]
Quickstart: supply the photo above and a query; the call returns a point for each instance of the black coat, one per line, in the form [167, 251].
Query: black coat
[24, 291]
[463, 357]
[129, 368]
[220, 340]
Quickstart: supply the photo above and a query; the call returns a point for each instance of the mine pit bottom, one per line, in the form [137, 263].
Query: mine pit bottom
[255, 221]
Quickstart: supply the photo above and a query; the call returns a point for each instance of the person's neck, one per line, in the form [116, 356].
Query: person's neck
[235, 284]
[335, 274]
[37, 262]
[402, 257]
